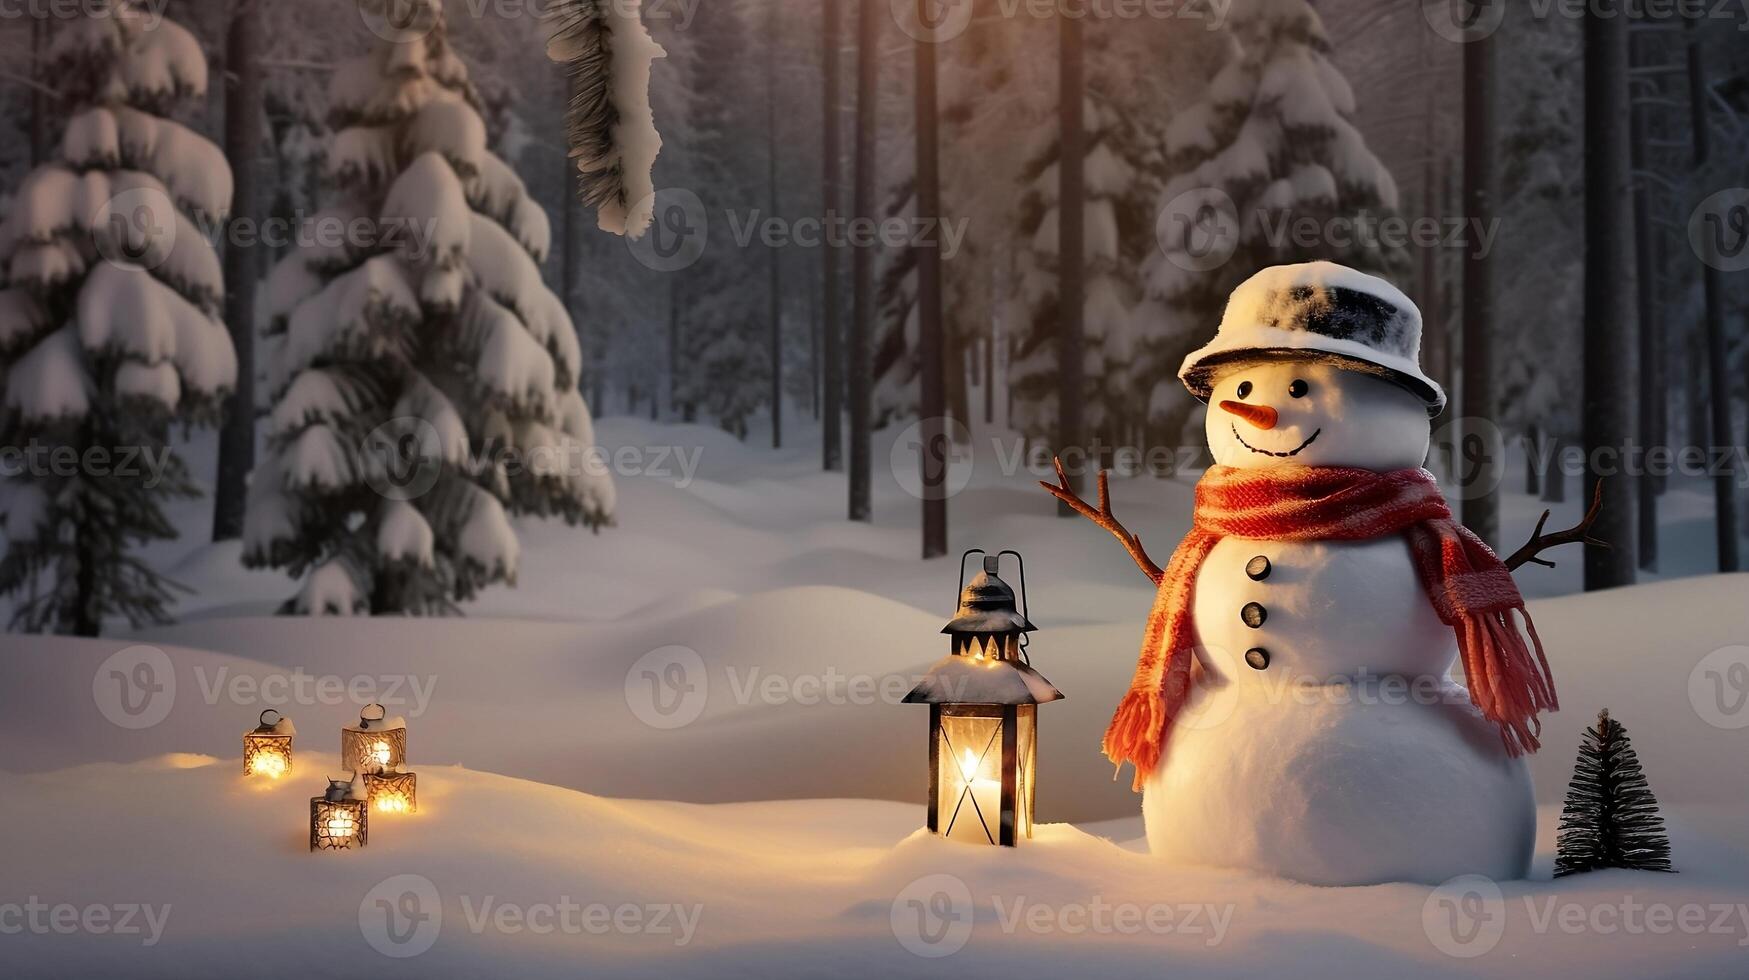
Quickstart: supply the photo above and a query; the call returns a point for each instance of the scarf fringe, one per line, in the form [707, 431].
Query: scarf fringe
[1136, 734]
[1506, 684]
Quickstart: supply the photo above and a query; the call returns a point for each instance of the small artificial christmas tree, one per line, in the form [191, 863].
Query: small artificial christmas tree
[1611, 818]
[110, 293]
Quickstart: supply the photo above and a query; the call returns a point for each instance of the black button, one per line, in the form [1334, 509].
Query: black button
[1257, 568]
[1258, 658]
[1253, 614]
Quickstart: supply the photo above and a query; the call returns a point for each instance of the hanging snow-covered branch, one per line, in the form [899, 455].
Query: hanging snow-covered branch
[611, 130]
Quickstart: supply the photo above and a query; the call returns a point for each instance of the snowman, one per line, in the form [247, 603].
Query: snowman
[1293, 711]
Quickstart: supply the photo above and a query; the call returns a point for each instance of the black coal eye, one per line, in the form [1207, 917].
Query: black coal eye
[1244, 389]
[1298, 389]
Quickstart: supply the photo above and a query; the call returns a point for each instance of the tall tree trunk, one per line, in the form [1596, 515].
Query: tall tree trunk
[674, 345]
[1555, 478]
[933, 454]
[774, 256]
[82, 612]
[1434, 339]
[959, 393]
[1717, 352]
[1071, 232]
[678, 391]
[1646, 309]
[571, 226]
[990, 376]
[1481, 499]
[1533, 447]
[1608, 407]
[243, 134]
[832, 377]
[862, 263]
[814, 349]
[39, 97]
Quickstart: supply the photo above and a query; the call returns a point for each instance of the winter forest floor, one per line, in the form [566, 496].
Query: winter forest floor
[765, 809]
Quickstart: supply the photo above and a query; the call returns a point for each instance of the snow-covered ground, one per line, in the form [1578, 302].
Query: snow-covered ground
[692, 718]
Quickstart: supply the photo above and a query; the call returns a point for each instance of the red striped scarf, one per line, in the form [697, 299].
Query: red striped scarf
[1471, 590]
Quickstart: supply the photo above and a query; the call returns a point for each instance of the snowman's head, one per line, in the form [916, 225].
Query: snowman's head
[1300, 412]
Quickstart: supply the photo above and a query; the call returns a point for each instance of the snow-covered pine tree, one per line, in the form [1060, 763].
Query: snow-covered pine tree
[110, 296]
[612, 133]
[1272, 140]
[1611, 817]
[423, 377]
[893, 359]
[979, 172]
[724, 351]
[1121, 170]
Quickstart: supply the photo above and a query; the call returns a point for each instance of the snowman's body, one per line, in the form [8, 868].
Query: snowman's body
[1324, 739]
[1350, 757]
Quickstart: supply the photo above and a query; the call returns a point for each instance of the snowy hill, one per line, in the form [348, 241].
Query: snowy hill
[498, 876]
[736, 643]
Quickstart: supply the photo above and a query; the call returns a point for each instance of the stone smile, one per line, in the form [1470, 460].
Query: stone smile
[1265, 452]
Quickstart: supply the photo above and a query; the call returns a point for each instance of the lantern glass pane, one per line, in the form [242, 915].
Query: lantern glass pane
[337, 825]
[267, 755]
[969, 794]
[393, 792]
[372, 751]
[1025, 788]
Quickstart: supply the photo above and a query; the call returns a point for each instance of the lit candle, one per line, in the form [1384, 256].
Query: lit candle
[269, 763]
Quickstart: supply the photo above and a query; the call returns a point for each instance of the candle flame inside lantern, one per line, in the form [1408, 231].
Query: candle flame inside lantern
[381, 751]
[340, 824]
[268, 762]
[392, 803]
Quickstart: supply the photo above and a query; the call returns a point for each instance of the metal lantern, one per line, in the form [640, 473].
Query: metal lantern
[267, 750]
[375, 743]
[983, 702]
[392, 791]
[339, 818]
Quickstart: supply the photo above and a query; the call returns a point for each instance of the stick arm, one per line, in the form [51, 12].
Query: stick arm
[1103, 517]
[1579, 533]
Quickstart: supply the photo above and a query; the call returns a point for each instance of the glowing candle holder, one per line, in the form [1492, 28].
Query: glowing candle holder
[983, 702]
[267, 750]
[339, 818]
[391, 791]
[375, 743]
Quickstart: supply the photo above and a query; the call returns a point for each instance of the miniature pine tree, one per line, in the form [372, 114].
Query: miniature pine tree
[1611, 818]
[110, 294]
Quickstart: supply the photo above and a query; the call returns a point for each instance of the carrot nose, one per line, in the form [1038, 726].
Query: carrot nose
[1262, 416]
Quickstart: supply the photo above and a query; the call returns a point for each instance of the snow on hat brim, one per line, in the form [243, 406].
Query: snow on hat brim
[1201, 368]
[1250, 331]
